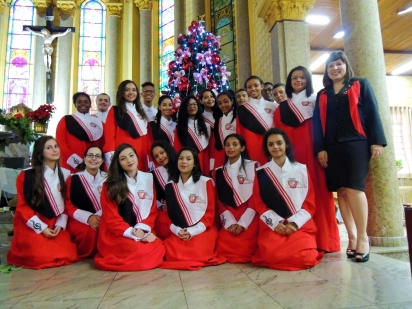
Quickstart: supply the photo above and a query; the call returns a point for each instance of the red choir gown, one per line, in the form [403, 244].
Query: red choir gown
[82, 201]
[29, 247]
[191, 206]
[255, 118]
[162, 224]
[75, 133]
[131, 129]
[285, 195]
[294, 116]
[234, 188]
[199, 143]
[118, 249]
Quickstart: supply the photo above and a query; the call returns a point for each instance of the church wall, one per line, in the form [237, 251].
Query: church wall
[188, 15]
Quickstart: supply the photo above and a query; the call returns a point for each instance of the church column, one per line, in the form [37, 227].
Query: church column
[145, 8]
[198, 8]
[243, 57]
[289, 34]
[363, 45]
[179, 18]
[114, 12]
[63, 65]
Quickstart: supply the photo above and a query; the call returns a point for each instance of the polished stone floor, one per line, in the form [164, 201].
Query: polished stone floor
[337, 282]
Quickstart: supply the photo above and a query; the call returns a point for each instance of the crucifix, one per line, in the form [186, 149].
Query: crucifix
[49, 33]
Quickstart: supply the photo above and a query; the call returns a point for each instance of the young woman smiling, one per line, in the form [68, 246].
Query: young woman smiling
[163, 128]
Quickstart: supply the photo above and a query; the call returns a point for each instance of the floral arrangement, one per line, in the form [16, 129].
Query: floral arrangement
[42, 114]
[18, 128]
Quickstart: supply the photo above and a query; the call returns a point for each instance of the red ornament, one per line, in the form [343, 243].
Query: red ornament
[215, 59]
[183, 85]
[191, 41]
[194, 24]
[179, 51]
[172, 64]
[212, 84]
[188, 65]
[205, 44]
[180, 38]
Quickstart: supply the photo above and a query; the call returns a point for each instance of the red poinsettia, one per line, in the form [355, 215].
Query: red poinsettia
[18, 116]
[42, 114]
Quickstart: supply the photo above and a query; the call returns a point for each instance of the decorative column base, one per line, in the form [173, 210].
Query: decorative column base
[396, 241]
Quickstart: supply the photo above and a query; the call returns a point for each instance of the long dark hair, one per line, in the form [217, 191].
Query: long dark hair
[333, 57]
[159, 113]
[309, 86]
[37, 163]
[121, 103]
[232, 97]
[244, 155]
[82, 166]
[273, 131]
[217, 113]
[117, 189]
[183, 119]
[170, 151]
[196, 172]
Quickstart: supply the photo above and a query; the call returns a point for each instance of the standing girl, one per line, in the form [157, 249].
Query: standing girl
[294, 116]
[126, 241]
[127, 123]
[83, 202]
[285, 201]
[234, 184]
[255, 118]
[192, 131]
[40, 239]
[190, 201]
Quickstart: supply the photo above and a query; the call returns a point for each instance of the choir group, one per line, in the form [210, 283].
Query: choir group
[235, 178]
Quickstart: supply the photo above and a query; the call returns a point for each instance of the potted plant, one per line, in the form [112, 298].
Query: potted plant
[41, 116]
[15, 128]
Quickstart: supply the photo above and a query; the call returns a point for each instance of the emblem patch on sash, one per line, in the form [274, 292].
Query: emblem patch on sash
[59, 187]
[192, 198]
[268, 110]
[99, 188]
[141, 194]
[305, 103]
[93, 124]
[241, 179]
[293, 183]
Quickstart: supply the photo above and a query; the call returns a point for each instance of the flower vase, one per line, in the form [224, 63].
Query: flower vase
[40, 127]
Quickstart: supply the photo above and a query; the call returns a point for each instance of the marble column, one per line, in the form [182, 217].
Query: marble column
[198, 8]
[289, 34]
[244, 67]
[63, 66]
[114, 12]
[39, 68]
[179, 18]
[363, 45]
[145, 8]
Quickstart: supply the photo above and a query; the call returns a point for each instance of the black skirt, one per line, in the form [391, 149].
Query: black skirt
[348, 165]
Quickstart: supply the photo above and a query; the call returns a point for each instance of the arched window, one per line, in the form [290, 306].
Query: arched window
[92, 49]
[166, 40]
[18, 55]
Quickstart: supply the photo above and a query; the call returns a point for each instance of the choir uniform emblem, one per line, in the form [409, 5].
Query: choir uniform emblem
[141, 195]
[59, 187]
[268, 110]
[241, 179]
[293, 183]
[93, 124]
[99, 188]
[192, 198]
[305, 103]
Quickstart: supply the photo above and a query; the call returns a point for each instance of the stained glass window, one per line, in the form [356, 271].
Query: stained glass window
[166, 39]
[223, 23]
[92, 49]
[18, 55]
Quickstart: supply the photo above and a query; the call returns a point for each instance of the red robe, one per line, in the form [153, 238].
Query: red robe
[114, 136]
[119, 253]
[200, 250]
[162, 224]
[31, 250]
[70, 144]
[296, 251]
[301, 137]
[254, 144]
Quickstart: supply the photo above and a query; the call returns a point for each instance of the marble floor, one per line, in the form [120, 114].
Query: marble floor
[337, 282]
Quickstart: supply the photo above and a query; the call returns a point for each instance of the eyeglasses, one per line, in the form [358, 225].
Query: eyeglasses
[149, 91]
[91, 156]
[192, 104]
[298, 77]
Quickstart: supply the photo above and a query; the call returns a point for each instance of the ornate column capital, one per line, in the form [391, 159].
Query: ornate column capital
[41, 6]
[273, 11]
[66, 7]
[114, 9]
[143, 4]
[3, 4]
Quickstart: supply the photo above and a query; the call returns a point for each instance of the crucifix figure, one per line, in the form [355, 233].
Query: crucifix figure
[49, 33]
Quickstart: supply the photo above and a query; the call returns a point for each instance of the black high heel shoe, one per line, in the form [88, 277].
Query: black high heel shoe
[350, 253]
[364, 257]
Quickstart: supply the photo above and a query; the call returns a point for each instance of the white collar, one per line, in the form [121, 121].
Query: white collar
[49, 172]
[82, 115]
[188, 183]
[163, 120]
[236, 165]
[277, 169]
[131, 181]
[229, 115]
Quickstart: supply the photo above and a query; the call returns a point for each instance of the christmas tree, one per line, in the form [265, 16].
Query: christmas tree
[198, 65]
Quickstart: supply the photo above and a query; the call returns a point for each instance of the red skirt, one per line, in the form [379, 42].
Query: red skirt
[193, 254]
[162, 225]
[294, 252]
[31, 250]
[84, 237]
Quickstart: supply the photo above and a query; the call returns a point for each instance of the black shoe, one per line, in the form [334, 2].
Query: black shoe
[364, 257]
[350, 253]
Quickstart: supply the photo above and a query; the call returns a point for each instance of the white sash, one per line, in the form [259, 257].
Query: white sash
[52, 189]
[302, 106]
[93, 187]
[225, 127]
[92, 125]
[168, 127]
[263, 111]
[209, 119]
[162, 176]
[192, 199]
[141, 194]
[138, 121]
[201, 141]
[241, 181]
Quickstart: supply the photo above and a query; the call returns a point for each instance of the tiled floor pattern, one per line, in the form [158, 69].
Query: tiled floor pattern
[335, 283]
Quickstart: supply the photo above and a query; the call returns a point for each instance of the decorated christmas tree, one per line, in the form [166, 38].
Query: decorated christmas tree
[197, 63]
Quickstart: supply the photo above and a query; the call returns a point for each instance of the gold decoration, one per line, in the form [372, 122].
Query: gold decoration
[114, 9]
[20, 109]
[40, 127]
[41, 6]
[273, 11]
[143, 4]
[201, 18]
[2, 6]
[66, 7]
